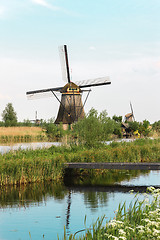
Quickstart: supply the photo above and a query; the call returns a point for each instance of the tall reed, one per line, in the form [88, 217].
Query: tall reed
[25, 166]
[22, 134]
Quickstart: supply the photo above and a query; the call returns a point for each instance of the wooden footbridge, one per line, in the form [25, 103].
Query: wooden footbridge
[108, 165]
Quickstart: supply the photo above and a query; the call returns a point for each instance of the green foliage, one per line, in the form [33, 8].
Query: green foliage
[117, 129]
[53, 131]
[133, 126]
[2, 124]
[144, 128]
[117, 118]
[93, 129]
[26, 123]
[9, 116]
[156, 126]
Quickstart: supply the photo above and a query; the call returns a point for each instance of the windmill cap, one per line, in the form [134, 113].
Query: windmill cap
[129, 115]
[71, 86]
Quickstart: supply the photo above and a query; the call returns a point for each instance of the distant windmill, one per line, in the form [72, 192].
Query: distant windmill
[71, 108]
[36, 120]
[129, 117]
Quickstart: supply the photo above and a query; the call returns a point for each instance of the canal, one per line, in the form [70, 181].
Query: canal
[40, 211]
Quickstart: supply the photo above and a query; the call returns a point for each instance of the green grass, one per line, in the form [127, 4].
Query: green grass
[140, 221]
[26, 166]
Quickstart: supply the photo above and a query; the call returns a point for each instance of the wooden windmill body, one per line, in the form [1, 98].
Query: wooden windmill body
[71, 107]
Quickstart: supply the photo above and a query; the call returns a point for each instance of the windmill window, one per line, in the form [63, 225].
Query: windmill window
[72, 89]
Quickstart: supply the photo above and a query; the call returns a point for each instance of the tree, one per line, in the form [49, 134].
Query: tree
[117, 118]
[133, 126]
[94, 129]
[9, 116]
[117, 125]
[53, 131]
[88, 129]
[144, 128]
[156, 126]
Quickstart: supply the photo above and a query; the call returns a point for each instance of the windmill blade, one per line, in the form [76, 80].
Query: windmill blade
[131, 108]
[93, 82]
[132, 111]
[64, 63]
[42, 93]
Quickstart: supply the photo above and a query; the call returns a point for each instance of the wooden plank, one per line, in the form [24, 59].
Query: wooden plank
[127, 166]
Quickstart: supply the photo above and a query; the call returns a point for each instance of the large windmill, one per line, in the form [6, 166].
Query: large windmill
[71, 108]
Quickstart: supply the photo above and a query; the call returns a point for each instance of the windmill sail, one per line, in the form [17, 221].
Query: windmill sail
[94, 82]
[64, 63]
[132, 111]
[42, 93]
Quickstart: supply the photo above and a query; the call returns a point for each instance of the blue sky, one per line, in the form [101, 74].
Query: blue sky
[119, 38]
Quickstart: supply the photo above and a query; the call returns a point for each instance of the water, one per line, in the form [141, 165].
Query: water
[36, 145]
[41, 211]
[24, 146]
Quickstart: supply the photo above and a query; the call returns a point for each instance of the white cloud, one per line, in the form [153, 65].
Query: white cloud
[9, 9]
[44, 3]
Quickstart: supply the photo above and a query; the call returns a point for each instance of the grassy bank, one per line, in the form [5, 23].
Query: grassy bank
[140, 221]
[21, 134]
[28, 166]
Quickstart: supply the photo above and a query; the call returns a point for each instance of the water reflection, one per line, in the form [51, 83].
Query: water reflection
[68, 210]
[49, 206]
[76, 177]
[95, 187]
[31, 194]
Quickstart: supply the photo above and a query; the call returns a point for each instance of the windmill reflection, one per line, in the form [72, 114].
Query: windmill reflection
[68, 213]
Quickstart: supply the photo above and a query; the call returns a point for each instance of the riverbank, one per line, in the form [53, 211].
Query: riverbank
[29, 166]
[140, 221]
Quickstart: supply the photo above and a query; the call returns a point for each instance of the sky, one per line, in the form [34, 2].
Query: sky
[115, 38]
